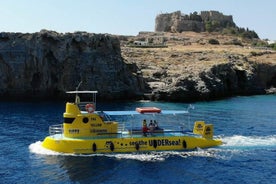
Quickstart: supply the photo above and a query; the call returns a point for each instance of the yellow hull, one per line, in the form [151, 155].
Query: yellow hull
[127, 144]
[88, 132]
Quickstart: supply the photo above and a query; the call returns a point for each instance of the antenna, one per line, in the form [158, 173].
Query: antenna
[77, 88]
[189, 117]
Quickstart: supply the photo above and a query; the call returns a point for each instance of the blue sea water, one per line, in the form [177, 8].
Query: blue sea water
[247, 126]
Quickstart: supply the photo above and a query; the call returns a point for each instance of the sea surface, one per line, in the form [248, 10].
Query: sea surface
[247, 126]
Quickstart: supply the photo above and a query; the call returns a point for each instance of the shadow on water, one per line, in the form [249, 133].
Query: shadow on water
[76, 168]
[123, 168]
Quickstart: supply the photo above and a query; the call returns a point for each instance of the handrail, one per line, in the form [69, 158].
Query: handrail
[121, 127]
[56, 129]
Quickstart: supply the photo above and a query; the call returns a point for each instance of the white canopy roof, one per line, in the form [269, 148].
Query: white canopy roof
[120, 113]
[75, 92]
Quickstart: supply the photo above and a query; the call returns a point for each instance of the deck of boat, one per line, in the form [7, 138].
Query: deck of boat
[129, 134]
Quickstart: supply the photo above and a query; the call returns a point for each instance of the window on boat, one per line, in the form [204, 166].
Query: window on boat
[104, 116]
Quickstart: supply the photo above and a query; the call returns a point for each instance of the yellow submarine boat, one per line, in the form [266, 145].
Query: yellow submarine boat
[87, 131]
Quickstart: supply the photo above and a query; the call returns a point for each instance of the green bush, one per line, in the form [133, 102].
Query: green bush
[259, 43]
[249, 34]
[211, 26]
[272, 46]
[236, 42]
[241, 32]
[229, 30]
[253, 53]
[214, 41]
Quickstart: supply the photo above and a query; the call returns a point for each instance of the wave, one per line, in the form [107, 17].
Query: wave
[38, 149]
[247, 142]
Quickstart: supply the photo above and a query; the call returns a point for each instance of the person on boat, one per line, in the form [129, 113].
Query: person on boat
[145, 128]
[155, 125]
[151, 127]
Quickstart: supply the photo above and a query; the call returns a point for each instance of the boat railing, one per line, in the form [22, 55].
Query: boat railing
[121, 127]
[56, 129]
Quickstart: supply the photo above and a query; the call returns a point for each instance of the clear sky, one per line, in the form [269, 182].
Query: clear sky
[127, 17]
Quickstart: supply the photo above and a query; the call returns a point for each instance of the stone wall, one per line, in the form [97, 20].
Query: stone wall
[178, 22]
[215, 15]
[47, 63]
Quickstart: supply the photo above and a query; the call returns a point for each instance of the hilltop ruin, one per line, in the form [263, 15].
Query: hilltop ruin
[205, 21]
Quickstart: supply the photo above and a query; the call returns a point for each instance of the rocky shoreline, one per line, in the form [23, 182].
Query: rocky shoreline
[44, 65]
[192, 69]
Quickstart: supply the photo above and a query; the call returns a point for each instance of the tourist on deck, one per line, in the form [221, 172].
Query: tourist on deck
[155, 125]
[145, 128]
[151, 127]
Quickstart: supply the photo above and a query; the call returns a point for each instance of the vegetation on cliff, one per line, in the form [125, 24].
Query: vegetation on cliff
[203, 66]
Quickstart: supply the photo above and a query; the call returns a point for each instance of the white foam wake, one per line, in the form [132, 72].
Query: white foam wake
[240, 141]
[38, 149]
[163, 155]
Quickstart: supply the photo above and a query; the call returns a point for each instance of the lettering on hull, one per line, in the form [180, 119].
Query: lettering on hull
[98, 131]
[141, 143]
[164, 142]
[156, 142]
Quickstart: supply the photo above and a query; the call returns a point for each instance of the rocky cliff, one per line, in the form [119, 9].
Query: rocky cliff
[238, 76]
[192, 69]
[47, 63]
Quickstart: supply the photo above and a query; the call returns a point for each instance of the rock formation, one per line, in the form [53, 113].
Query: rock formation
[47, 63]
[192, 69]
[236, 77]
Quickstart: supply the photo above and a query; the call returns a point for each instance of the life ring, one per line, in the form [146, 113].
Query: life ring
[90, 108]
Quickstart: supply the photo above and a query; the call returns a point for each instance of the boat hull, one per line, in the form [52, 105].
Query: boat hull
[129, 144]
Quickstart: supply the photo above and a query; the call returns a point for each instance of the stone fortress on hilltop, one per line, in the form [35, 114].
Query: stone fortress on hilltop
[178, 22]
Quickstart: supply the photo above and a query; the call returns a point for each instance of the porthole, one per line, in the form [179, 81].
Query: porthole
[85, 120]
